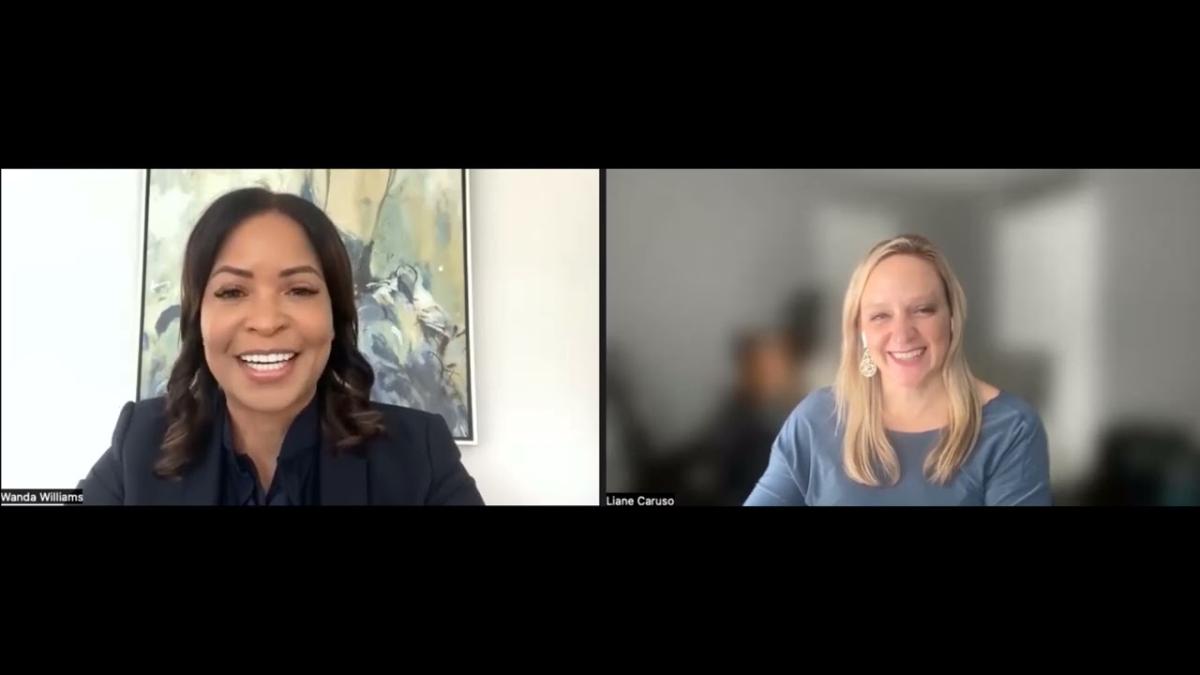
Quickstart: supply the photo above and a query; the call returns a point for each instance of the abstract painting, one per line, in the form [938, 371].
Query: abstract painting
[405, 231]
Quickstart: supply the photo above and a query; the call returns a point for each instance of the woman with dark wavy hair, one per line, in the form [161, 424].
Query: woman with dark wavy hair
[268, 402]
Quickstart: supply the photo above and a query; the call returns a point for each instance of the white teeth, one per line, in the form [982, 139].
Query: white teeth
[908, 356]
[266, 367]
[267, 358]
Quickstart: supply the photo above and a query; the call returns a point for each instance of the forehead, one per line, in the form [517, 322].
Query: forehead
[267, 240]
[902, 278]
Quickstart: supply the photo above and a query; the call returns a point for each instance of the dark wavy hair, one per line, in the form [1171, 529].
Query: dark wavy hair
[347, 419]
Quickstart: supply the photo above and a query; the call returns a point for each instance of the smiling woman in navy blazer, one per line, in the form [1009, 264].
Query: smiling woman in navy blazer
[268, 402]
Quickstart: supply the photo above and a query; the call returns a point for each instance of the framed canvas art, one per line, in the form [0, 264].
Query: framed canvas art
[407, 234]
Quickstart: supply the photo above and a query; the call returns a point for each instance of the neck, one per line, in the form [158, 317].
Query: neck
[919, 407]
[260, 435]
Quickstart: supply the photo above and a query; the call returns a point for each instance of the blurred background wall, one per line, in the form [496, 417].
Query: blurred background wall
[1082, 288]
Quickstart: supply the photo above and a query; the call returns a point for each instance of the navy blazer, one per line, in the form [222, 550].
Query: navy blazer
[416, 463]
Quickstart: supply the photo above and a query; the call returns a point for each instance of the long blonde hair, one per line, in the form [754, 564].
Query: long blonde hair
[866, 451]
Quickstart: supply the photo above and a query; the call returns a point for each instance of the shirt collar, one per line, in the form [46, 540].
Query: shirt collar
[303, 435]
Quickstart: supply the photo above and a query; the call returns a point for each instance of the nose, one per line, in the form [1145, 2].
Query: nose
[265, 314]
[906, 328]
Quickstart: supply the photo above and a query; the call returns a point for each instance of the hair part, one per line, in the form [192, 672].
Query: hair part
[347, 418]
[867, 455]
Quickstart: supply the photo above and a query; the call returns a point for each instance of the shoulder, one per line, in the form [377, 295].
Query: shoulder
[817, 409]
[811, 423]
[1012, 430]
[1014, 452]
[143, 423]
[148, 411]
[418, 460]
[140, 428]
[1008, 409]
[406, 420]
[987, 391]
[126, 468]
[411, 433]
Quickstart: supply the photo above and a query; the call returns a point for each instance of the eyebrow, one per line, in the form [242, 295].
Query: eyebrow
[250, 275]
[929, 299]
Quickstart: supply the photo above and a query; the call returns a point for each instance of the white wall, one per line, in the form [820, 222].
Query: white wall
[71, 283]
[1151, 294]
[535, 238]
[1046, 292]
[69, 314]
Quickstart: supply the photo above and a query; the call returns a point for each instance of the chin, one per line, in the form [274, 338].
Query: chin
[267, 401]
[906, 382]
[909, 379]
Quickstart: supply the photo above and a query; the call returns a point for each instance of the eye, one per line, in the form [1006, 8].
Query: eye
[229, 293]
[304, 292]
[926, 310]
[877, 317]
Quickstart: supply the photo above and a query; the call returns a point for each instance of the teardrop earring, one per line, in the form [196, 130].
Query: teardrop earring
[866, 366]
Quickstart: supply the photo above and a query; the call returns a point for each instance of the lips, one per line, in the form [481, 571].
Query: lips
[907, 356]
[264, 366]
[267, 356]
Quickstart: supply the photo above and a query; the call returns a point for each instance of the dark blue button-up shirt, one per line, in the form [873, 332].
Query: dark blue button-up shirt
[295, 481]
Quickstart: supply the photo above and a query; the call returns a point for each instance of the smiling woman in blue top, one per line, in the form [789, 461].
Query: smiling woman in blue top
[906, 422]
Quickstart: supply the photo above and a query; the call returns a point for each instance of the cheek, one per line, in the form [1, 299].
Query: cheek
[215, 329]
[877, 336]
[316, 327]
[938, 333]
[869, 327]
[318, 340]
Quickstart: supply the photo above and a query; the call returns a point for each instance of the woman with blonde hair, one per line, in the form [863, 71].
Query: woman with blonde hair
[906, 422]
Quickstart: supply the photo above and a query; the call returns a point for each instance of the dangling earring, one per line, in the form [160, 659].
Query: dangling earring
[866, 366]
